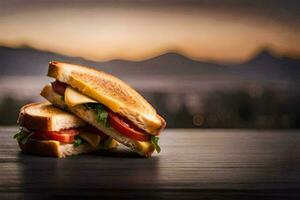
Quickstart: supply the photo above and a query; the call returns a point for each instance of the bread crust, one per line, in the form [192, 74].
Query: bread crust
[34, 123]
[110, 91]
[43, 148]
[143, 148]
[45, 121]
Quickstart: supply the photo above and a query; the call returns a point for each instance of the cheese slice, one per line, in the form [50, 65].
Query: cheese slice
[91, 138]
[143, 145]
[73, 97]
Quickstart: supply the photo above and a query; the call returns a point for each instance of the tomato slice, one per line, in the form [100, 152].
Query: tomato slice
[126, 127]
[64, 136]
[59, 87]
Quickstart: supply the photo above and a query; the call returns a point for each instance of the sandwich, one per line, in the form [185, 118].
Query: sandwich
[49, 131]
[107, 103]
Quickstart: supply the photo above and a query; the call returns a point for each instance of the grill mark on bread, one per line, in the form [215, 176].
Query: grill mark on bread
[110, 87]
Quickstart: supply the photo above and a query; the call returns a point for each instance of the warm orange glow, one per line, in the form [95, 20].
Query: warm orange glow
[104, 33]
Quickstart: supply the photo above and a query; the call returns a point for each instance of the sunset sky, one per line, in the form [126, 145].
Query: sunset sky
[221, 31]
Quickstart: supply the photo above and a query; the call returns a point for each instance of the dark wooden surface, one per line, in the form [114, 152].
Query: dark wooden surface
[193, 164]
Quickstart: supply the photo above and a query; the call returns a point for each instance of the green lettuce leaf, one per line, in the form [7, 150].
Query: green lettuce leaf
[62, 98]
[78, 141]
[154, 141]
[101, 113]
[22, 136]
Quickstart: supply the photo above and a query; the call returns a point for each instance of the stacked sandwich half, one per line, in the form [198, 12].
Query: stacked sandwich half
[104, 110]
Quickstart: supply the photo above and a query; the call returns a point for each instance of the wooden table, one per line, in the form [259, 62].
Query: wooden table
[193, 164]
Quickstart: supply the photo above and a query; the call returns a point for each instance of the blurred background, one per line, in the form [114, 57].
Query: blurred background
[202, 64]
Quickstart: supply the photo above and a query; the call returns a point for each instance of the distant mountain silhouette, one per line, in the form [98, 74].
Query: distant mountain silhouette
[263, 66]
[267, 66]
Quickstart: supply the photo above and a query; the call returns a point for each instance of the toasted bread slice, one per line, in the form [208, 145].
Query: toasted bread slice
[110, 91]
[46, 117]
[143, 148]
[56, 149]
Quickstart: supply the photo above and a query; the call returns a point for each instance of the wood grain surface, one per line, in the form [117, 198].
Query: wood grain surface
[193, 164]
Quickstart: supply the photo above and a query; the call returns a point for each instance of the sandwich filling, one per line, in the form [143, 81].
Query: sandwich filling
[75, 136]
[106, 116]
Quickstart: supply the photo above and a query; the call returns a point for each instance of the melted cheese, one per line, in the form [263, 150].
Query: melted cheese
[143, 145]
[92, 139]
[73, 98]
